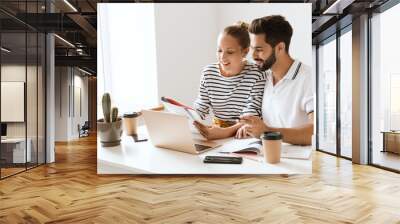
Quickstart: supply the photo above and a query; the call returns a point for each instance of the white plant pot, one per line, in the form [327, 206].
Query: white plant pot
[110, 133]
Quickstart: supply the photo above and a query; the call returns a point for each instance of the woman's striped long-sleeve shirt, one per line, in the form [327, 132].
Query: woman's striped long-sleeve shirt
[230, 97]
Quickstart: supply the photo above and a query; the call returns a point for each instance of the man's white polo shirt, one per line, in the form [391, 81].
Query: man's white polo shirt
[288, 103]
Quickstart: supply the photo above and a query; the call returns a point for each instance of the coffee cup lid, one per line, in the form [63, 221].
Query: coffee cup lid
[274, 135]
[131, 114]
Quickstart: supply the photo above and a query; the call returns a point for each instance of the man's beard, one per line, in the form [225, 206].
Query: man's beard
[267, 64]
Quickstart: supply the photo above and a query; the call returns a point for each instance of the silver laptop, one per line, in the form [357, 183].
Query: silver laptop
[172, 131]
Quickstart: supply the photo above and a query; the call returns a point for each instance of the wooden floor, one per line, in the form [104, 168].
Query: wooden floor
[70, 191]
[5, 172]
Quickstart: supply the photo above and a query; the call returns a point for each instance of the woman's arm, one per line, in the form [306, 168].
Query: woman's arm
[215, 132]
[254, 104]
[202, 104]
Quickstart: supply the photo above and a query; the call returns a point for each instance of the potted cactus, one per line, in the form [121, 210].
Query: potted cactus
[109, 127]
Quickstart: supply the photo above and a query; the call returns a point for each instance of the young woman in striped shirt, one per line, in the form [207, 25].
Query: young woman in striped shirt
[230, 88]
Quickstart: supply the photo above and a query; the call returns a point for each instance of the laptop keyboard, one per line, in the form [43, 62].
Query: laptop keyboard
[200, 148]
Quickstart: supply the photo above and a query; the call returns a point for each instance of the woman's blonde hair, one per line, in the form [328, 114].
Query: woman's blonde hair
[239, 31]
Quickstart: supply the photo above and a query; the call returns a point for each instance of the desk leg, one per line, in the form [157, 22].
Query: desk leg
[384, 142]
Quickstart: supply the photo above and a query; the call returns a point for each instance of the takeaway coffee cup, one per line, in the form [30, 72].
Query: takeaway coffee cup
[272, 144]
[130, 122]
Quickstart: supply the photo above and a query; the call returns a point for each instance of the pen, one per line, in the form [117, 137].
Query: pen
[243, 156]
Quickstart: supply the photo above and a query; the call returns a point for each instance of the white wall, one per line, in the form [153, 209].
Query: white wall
[80, 114]
[186, 42]
[61, 103]
[68, 81]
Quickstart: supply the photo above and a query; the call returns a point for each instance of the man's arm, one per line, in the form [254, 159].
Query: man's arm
[298, 135]
[301, 135]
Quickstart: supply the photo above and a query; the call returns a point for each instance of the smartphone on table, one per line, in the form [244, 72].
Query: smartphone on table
[223, 159]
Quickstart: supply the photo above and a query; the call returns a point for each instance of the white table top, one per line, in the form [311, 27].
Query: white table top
[144, 158]
[13, 140]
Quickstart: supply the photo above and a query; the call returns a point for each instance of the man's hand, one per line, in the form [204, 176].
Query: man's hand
[211, 132]
[256, 126]
[242, 132]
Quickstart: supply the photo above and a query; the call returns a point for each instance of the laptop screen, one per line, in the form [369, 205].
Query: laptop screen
[3, 129]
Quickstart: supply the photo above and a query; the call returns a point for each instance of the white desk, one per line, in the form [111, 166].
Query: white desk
[144, 158]
[18, 151]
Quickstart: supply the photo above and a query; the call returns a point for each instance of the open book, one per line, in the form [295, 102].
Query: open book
[253, 150]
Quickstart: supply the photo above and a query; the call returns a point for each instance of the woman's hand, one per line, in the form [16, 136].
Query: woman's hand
[211, 132]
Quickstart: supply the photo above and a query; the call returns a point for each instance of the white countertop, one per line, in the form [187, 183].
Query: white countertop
[144, 158]
[13, 140]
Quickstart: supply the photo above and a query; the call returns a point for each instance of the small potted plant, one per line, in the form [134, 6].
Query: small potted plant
[109, 127]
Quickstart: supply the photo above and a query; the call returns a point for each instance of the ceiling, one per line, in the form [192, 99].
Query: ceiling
[76, 22]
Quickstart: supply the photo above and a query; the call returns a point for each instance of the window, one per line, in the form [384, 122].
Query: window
[394, 101]
[124, 70]
[346, 93]
[327, 96]
[385, 89]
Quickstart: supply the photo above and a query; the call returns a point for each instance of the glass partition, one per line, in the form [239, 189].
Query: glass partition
[41, 96]
[32, 98]
[22, 88]
[13, 104]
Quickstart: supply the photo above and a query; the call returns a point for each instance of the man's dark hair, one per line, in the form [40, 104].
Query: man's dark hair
[275, 28]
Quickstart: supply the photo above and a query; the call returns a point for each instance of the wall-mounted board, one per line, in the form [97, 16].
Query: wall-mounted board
[12, 101]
